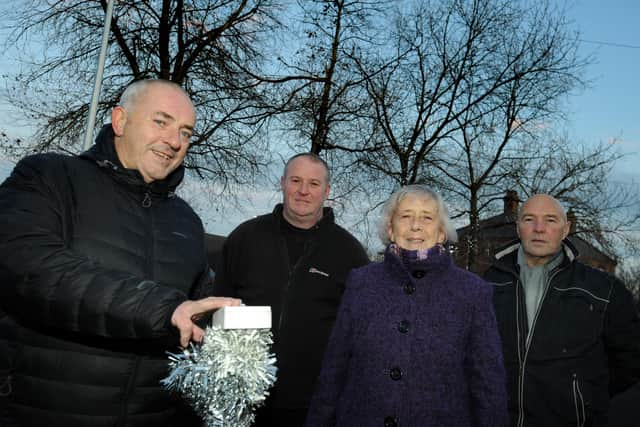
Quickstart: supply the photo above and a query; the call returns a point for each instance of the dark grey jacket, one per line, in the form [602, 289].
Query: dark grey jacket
[93, 262]
[585, 344]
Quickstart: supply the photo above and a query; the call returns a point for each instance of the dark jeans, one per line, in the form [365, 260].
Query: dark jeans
[185, 417]
[280, 417]
[5, 421]
[623, 411]
[5, 391]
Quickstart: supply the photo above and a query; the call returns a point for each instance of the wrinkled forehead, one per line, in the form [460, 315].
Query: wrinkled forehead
[160, 96]
[306, 167]
[417, 204]
[172, 94]
[416, 200]
[542, 206]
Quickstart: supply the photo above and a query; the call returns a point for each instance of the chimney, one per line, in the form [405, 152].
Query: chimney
[511, 202]
[571, 217]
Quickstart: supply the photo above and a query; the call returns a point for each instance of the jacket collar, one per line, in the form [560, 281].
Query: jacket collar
[327, 216]
[437, 259]
[507, 257]
[103, 152]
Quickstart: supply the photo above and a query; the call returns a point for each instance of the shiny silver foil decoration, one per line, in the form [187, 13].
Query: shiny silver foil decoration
[226, 377]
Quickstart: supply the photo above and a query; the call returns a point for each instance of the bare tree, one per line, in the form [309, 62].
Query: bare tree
[630, 275]
[576, 174]
[451, 93]
[468, 81]
[476, 67]
[607, 210]
[207, 46]
[325, 101]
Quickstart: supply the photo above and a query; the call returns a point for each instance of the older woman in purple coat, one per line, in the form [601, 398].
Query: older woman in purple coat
[415, 342]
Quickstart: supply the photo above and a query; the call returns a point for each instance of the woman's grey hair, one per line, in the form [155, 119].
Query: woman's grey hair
[131, 94]
[394, 200]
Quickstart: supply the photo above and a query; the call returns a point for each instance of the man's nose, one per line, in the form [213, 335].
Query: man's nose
[416, 224]
[174, 140]
[539, 226]
[304, 188]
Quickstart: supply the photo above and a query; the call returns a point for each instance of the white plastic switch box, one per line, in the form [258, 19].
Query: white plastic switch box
[243, 317]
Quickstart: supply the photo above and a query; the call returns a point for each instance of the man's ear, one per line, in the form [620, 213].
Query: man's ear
[566, 229]
[282, 182]
[118, 120]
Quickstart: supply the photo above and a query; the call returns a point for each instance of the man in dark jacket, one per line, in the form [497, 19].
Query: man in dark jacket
[295, 260]
[570, 333]
[102, 269]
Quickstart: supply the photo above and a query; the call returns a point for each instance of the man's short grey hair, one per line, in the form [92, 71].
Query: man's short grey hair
[314, 158]
[556, 202]
[132, 93]
[390, 206]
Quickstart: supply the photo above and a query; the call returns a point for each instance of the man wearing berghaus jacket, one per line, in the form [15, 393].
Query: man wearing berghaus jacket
[571, 335]
[296, 260]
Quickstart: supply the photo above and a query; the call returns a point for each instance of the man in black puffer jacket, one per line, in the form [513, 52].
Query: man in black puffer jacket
[102, 269]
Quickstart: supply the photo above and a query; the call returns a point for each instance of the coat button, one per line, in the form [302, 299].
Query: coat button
[409, 288]
[390, 422]
[418, 274]
[403, 326]
[395, 374]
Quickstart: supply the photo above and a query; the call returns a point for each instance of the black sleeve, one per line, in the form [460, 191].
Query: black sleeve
[223, 284]
[45, 284]
[622, 338]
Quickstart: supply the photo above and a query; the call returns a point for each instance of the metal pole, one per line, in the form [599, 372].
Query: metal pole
[88, 136]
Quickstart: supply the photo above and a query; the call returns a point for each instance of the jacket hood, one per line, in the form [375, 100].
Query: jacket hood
[103, 152]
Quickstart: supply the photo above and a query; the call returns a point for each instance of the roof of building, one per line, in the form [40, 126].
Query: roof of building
[502, 228]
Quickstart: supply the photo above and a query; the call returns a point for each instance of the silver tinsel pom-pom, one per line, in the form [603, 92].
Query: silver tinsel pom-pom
[226, 377]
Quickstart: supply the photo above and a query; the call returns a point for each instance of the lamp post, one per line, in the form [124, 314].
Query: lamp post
[91, 121]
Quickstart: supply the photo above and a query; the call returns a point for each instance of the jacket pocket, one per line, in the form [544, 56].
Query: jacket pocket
[579, 333]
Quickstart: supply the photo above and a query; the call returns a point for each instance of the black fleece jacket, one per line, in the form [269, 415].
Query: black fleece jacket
[304, 300]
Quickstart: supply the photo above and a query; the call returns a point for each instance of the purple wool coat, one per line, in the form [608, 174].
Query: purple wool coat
[415, 344]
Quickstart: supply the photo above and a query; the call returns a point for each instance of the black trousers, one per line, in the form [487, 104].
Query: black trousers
[280, 417]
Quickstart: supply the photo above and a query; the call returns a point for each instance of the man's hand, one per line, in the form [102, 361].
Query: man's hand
[184, 315]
